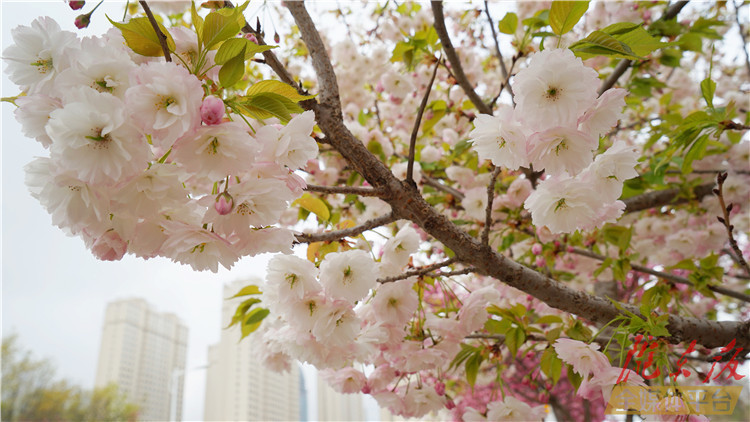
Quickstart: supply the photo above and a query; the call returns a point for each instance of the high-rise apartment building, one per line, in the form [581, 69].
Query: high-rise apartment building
[238, 386]
[334, 406]
[144, 352]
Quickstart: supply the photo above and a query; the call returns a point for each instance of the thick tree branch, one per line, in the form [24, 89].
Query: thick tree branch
[407, 203]
[345, 190]
[666, 276]
[417, 123]
[665, 197]
[623, 66]
[450, 53]
[159, 34]
[350, 232]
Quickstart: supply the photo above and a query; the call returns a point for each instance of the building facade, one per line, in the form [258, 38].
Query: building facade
[144, 353]
[238, 386]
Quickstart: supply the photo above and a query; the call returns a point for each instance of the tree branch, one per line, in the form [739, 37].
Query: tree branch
[160, 35]
[450, 53]
[719, 192]
[742, 35]
[418, 271]
[429, 181]
[407, 203]
[417, 122]
[345, 190]
[498, 54]
[665, 197]
[488, 210]
[623, 66]
[666, 276]
[350, 232]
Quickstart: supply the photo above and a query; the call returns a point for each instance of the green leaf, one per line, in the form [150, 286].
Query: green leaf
[639, 40]
[601, 43]
[508, 24]
[708, 88]
[462, 355]
[233, 70]
[219, 27]
[233, 47]
[551, 365]
[242, 309]
[253, 320]
[472, 367]
[314, 205]
[500, 327]
[696, 151]
[141, 37]
[514, 338]
[246, 291]
[197, 22]
[277, 87]
[265, 105]
[564, 15]
[549, 319]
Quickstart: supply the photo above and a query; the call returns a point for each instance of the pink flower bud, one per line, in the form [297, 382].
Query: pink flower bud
[109, 247]
[440, 388]
[539, 262]
[276, 37]
[212, 110]
[536, 249]
[450, 405]
[82, 21]
[75, 5]
[251, 38]
[366, 389]
[224, 203]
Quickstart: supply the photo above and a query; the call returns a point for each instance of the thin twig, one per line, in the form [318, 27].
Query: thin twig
[506, 75]
[742, 34]
[350, 232]
[419, 271]
[450, 52]
[345, 190]
[719, 192]
[666, 276]
[417, 123]
[506, 82]
[488, 210]
[429, 181]
[160, 35]
[623, 66]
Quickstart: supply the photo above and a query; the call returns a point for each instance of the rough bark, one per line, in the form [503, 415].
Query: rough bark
[407, 203]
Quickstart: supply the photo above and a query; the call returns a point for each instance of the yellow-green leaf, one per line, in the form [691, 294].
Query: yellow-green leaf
[266, 104]
[245, 306]
[551, 365]
[314, 205]
[232, 48]
[278, 88]
[218, 27]
[508, 24]
[197, 22]
[141, 37]
[601, 43]
[564, 15]
[247, 290]
[253, 321]
[233, 70]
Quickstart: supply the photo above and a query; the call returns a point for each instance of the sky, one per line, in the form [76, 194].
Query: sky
[54, 292]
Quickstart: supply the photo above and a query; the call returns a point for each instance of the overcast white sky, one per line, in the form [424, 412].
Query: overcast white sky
[54, 291]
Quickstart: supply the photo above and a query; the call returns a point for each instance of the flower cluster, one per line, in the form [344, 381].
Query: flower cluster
[143, 157]
[555, 127]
